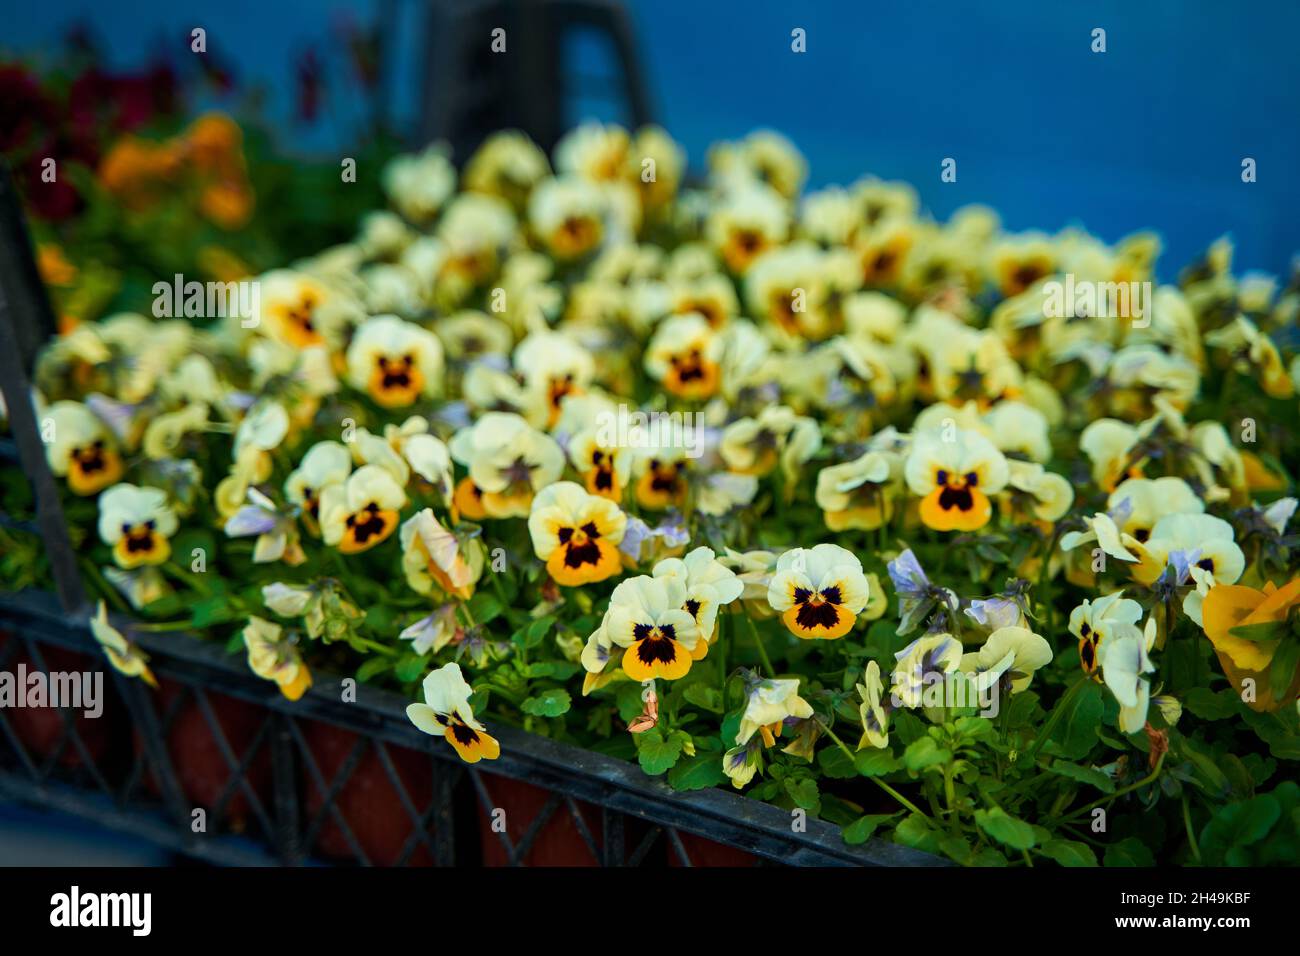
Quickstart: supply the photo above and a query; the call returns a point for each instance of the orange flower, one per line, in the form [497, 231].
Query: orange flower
[53, 265]
[1229, 606]
[1259, 476]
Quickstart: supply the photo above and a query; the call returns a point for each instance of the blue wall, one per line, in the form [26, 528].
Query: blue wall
[1149, 134]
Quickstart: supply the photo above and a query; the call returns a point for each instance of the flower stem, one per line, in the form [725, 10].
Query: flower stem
[907, 804]
[108, 590]
[1119, 793]
[188, 578]
[762, 651]
[1191, 835]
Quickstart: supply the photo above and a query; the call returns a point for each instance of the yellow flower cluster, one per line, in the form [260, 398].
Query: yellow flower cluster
[628, 367]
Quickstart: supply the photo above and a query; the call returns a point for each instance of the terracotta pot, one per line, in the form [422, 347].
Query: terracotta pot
[201, 770]
[704, 852]
[368, 800]
[40, 728]
[559, 843]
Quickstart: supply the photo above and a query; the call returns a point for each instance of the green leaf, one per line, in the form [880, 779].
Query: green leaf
[1208, 705]
[1076, 734]
[1069, 852]
[485, 606]
[1235, 827]
[534, 632]
[836, 764]
[1283, 742]
[557, 670]
[657, 755]
[923, 753]
[628, 699]
[549, 703]
[705, 696]
[860, 830]
[956, 848]
[409, 668]
[213, 610]
[1264, 631]
[1088, 775]
[915, 832]
[804, 793]
[1005, 829]
[1282, 672]
[875, 762]
[381, 620]
[1205, 772]
[1129, 851]
[697, 773]
[166, 606]
[372, 668]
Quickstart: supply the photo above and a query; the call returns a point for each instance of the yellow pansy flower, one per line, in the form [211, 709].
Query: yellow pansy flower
[577, 534]
[80, 447]
[954, 472]
[136, 523]
[819, 592]
[446, 713]
[394, 361]
[508, 462]
[647, 618]
[274, 656]
[362, 511]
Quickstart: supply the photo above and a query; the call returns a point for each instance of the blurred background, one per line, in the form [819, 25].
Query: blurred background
[1149, 134]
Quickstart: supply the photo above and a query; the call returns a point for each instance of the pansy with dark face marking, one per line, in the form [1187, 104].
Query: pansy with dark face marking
[576, 534]
[446, 713]
[927, 660]
[394, 361]
[81, 447]
[709, 585]
[363, 511]
[299, 310]
[818, 591]
[647, 617]
[751, 220]
[325, 463]
[859, 494]
[1202, 545]
[755, 446]
[553, 367]
[605, 469]
[1096, 621]
[685, 355]
[136, 523]
[568, 214]
[954, 471]
[661, 477]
